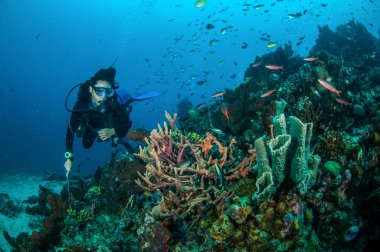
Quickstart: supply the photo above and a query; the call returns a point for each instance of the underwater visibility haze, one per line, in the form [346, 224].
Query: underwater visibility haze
[271, 140]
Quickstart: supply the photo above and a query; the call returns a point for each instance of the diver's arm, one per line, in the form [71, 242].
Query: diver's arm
[69, 139]
[71, 128]
[69, 149]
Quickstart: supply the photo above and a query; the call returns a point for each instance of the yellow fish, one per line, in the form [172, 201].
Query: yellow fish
[200, 3]
[271, 44]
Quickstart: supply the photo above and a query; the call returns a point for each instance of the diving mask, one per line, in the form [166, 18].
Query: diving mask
[104, 92]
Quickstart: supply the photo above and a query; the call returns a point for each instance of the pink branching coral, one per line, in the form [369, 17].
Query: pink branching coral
[185, 180]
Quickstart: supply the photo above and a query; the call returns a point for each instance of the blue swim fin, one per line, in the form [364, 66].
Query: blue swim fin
[127, 98]
[124, 96]
[146, 96]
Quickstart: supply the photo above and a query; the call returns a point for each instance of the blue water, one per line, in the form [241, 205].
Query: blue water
[46, 47]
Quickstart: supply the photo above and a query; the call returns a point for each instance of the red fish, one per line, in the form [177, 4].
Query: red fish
[199, 106]
[217, 94]
[329, 87]
[343, 102]
[310, 59]
[268, 93]
[274, 67]
[224, 109]
[256, 64]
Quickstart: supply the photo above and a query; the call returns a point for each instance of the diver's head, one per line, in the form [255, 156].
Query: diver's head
[105, 74]
[101, 91]
[102, 85]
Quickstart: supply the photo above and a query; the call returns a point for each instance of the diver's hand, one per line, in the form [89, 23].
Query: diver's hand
[106, 133]
[68, 164]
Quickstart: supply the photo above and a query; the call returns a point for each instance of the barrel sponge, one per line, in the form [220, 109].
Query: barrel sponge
[280, 106]
[311, 176]
[278, 148]
[262, 157]
[264, 187]
[279, 124]
[264, 184]
[301, 136]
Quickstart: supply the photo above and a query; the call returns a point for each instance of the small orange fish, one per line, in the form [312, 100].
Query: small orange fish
[268, 93]
[329, 87]
[310, 59]
[217, 94]
[274, 67]
[343, 102]
[224, 109]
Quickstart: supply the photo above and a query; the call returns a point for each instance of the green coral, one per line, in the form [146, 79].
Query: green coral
[85, 214]
[193, 137]
[193, 113]
[97, 190]
[333, 167]
[71, 212]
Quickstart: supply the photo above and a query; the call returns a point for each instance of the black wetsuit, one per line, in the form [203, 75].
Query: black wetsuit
[86, 121]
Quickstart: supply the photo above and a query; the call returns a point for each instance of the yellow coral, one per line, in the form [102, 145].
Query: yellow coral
[280, 209]
[193, 137]
[222, 229]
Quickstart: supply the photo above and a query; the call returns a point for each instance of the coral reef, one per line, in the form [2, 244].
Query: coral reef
[235, 175]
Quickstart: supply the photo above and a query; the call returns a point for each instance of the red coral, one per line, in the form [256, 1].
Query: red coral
[52, 224]
[156, 237]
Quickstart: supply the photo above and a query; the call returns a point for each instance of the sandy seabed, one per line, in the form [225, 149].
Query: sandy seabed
[20, 187]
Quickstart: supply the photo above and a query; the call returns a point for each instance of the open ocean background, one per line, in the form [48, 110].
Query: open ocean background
[47, 47]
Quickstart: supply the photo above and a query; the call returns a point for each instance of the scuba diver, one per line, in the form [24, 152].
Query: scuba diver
[101, 113]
